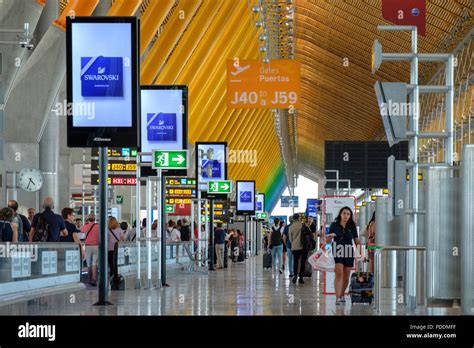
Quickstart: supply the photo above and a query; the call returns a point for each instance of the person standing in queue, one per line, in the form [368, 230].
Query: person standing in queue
[342, 232]
[24, 225]
[294, 233]
[91, 232]
[219, 239]
[115, 235]
[31, 215]
[47, 226]
[8, 229]
[72, 231]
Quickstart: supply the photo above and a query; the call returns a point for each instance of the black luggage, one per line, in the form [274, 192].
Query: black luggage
[361, 287]
[308, 270]
[240, 258]
[267, 260]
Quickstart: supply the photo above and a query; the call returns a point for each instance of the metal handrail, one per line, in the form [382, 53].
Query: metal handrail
[378, 267]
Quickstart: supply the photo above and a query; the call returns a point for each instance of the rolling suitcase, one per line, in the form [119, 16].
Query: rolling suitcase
[240, 258]
[267, 260]
[308, 269]
[361, 287]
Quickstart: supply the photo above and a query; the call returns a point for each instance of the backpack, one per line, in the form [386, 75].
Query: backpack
[3, 235]
[43, 230]
[185, 233]
[307, 239]
[276, 236]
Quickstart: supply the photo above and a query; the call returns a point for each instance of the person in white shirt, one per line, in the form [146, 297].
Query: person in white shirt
[172, 234]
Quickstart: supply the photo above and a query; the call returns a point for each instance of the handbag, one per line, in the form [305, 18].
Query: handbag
[322, 260]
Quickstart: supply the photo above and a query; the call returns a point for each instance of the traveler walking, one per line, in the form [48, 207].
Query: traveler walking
[275, 245]
[286, 240]
[297, 250]
[283, 242]
[343, 231]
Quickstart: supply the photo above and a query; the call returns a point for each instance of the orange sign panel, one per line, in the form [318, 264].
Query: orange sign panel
[252, 84]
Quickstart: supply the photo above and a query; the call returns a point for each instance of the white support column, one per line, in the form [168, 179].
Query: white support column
[149, 221]
[413, 227]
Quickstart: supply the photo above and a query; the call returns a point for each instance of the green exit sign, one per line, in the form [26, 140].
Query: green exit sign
[169, 208]
[220, 186]
[262, 216]
[163, 159]
[119, 199]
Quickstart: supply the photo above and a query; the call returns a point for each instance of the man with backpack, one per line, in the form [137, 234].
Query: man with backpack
[21, 220]
[47, 226]
[276, 247]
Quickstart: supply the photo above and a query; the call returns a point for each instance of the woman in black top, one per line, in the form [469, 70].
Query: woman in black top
[342, 231]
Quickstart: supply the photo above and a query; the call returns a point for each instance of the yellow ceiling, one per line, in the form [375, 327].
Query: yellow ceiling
[338, 100]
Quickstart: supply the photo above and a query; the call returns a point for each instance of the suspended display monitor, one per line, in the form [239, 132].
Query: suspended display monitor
[260, 205]
[313, 206]
[364, 163]
[394, 109]
[245, 197]
[212, 165]
[102, 81]
[163, 119]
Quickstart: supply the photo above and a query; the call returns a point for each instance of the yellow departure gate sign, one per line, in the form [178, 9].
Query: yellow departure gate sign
[252, 84]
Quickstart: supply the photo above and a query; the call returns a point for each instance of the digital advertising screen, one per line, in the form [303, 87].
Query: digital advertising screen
[245, 197]
[313, 205]
[212, 163]
[163, 118]
[260, 203]
[102, 81]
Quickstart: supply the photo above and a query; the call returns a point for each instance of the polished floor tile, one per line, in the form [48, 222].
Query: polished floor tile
[242, 289]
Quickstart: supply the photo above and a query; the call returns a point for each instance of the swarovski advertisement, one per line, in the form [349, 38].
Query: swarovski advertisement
[260, 206]
[163, 118]
[212, 163]
[102, 72]
[245, 197]
[102, 81]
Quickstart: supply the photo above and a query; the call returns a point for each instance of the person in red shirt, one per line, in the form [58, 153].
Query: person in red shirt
[91, 232]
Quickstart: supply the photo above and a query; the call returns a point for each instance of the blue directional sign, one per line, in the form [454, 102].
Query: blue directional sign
[289, 201]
